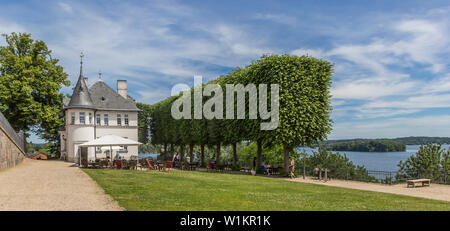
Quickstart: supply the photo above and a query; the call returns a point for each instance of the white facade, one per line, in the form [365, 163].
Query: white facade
[76, 132]
[96, 111]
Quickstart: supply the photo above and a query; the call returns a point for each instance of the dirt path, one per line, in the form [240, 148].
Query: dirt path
[51, 185]
[435, 191]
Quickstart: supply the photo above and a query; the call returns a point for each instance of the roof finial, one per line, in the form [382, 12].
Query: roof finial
[81, 63]
[100, 75]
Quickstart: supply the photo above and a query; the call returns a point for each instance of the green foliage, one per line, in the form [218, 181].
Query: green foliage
[271, 155]
[150, 148]
[30, 83]
[29, 147]
[304, 84]
[339, 165]
[143, 122]
[304, 99]
[369, 146]
[431, 161]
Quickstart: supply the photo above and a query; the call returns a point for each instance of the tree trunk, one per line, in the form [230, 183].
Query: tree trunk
[165, 148]
[191, 152]
[258, 154]
[233, 145]
[218, 154]
[202, 150]
[172, 150]
[181, 153]
[286, 158]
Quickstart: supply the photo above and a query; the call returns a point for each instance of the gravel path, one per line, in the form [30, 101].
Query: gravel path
[435, 191]
[51, 185]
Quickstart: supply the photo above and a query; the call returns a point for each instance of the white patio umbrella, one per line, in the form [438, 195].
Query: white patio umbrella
[111, 141]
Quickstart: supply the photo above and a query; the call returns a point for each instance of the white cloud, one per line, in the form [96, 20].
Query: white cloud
[368, 67]
[393, 127]
[316, 53]
[125, 40]
[417, 102]
[278, 18]
[377, 75]
[6, 27]
[65, 7]
[153, 95]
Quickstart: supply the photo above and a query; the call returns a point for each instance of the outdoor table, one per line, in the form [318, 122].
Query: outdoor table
[160, 165]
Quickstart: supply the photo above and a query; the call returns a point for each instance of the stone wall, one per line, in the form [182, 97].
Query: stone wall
[12, 145]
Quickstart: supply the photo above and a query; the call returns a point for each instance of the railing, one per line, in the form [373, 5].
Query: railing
[374, 176]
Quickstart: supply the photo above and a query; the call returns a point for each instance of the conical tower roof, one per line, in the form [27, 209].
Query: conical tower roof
[80, 96]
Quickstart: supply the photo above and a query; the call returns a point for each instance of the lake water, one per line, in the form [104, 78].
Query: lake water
[382, 161]
[378, 161]
[147, 155]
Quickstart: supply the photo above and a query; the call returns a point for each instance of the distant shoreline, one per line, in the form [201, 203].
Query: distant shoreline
[411, 140]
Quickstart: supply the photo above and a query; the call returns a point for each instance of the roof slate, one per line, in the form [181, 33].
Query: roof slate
[104, 97]
[99, 96]
[80, 96]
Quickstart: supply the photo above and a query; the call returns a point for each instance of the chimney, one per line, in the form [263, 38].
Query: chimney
[86, 80]
[122, 88]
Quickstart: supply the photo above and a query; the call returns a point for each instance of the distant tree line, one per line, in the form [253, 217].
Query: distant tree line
[411, 140]
[369, 146]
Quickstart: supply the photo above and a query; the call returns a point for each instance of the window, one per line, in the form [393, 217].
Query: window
[124, 148]
[119, 120]
[98, 119]
[126, 119]
[90, 118]
[82, 121]
[72, 118]
[105, 119]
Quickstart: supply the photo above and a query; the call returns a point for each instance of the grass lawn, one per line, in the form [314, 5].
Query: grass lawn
[193, 191]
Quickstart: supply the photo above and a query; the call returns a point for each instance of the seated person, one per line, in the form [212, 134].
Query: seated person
[266, 168]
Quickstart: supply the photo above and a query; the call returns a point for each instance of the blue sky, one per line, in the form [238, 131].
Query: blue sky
[391, 57]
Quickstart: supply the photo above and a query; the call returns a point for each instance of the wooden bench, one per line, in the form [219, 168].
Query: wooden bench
[425, 182]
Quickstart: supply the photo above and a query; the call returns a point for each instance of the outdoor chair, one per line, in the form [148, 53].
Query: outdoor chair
[132, 164]
[148, 164]
[275, 170]
[211, 166]
[142, 163]
[160, 165]
[168, 164]
[124, 164]
[118, 163]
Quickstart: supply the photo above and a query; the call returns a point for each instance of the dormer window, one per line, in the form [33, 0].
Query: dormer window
[103, 98]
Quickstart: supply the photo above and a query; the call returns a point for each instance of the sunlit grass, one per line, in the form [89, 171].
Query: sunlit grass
[193, 191]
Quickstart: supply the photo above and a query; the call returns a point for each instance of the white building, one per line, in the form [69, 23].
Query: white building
[95, 111]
